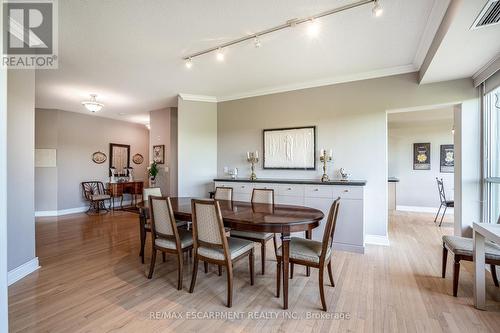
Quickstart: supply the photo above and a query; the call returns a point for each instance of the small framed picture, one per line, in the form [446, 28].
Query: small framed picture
[422, 156]
[447, 159]
[159, 154]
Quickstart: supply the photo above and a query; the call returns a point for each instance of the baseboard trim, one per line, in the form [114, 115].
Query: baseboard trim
[377, 240]
[54, 213]
[20, 272]
[348, 247]
[418, 209]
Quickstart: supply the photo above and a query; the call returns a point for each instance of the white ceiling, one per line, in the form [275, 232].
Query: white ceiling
[129, 52]
[421, 118]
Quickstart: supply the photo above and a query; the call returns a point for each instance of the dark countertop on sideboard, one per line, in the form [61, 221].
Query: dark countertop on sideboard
[393, 180]
[294, 181]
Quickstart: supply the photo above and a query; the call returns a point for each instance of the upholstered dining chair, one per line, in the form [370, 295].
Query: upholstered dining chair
[212, 245]
[444, 202]
[223, 193]
[166, 237]
[96, 195]
[311, 253]
[263, 196]
[145, 226]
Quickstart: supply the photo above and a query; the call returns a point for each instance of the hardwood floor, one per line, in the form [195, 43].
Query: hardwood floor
[91, 280]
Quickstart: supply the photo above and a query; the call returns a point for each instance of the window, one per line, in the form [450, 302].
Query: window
[492, 154]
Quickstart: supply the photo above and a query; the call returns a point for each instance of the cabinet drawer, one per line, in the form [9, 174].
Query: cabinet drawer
[348, 192]
[242, 188]
[217, 184]
[319, 191]
[291, 190]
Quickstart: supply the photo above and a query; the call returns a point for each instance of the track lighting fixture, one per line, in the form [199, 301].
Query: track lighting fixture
[377, 9]
[313, 28]
[256, 42]
[189, 63]
[220, 54]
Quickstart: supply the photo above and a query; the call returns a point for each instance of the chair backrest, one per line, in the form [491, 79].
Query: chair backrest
[147, 192]
[442, 195]
[224, 193]
[91, 188]
[330, 227]
[262, 195]
[208, 227]
[163, 223]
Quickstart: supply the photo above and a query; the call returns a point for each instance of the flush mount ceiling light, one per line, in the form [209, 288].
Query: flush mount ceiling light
[93, 105]
[313, 29]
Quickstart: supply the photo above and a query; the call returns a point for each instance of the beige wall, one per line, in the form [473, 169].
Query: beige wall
[197, 147]
[163, 131]
[350, 118]
[417, 188]
[20, 167]
[76, 137]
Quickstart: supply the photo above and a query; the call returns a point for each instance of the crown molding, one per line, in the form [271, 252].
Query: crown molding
[198, 98]
[436, 15]
[490, 68]
[323, 82]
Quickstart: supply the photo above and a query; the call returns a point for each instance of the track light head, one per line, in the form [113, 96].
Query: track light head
[256, 42]
[377, 10]
[220, 54]
[189, 63]
[313, 28]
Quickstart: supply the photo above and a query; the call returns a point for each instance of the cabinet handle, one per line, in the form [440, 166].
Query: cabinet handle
[316, 190]
[289, 189]
[243, 187]
[345, 191]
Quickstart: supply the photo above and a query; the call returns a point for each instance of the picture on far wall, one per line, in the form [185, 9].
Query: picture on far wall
[159, 154]
[290, 148]
[422, 156]
[447, 159]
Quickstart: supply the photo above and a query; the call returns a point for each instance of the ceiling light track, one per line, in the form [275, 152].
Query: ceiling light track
[289, 24]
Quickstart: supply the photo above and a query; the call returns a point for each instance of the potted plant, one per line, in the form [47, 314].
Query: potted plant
[153, 172]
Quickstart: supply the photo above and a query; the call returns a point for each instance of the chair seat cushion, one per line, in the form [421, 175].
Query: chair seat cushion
[237, 247]
[147, 225]
[463, 246]
[185, 236]
[96, 197]
[305, 249]
[250, 234]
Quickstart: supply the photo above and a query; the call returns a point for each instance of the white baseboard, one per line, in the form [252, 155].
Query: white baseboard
[19, 272]
[52, 213]
[348, 247]
[377, 240]
[418, 209]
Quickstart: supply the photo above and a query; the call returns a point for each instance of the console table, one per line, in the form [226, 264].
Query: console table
[117, 190]
[349, 231]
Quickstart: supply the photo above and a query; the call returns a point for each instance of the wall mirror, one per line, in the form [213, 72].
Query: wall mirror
[119, 158]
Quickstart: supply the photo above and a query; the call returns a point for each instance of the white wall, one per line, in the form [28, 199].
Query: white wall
[21, 168]
[4, 313]
[197, 147]
[350, 119]
[417, 188]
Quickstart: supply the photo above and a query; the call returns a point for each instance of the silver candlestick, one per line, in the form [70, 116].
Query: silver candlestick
[325, 157]
[253, 158]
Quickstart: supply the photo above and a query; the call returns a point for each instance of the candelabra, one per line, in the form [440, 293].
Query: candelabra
[253, 158]
[325, 157]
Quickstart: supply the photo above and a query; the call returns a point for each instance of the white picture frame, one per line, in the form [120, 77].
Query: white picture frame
[290, 148]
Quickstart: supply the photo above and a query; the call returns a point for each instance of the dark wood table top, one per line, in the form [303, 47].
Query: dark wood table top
[256, 217]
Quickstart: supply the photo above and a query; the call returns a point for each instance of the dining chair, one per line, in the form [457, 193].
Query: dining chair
[444, 203]
[223, 193]
[145, 226]
[212, 245]
[96, 195]
[263, 196]
[311, 253]
[166, 237]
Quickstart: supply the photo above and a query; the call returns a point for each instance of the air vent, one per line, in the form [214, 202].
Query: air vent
[489, 15]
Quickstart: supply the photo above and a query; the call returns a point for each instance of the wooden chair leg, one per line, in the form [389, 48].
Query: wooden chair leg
[195, 270]
[321, 288]
[229, 286]
[330, 273]
[251, 263]
[152, 266]
[456, 273]
[291, 270]
[179, 271]
[163, 256]
[143, 242]
[494, 274]
[278, 278]
[220, 270]
[445, 259]
[205, 264]
[263, 256]
[275, 244]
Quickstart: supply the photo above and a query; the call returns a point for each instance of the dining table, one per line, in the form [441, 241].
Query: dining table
[255, 217]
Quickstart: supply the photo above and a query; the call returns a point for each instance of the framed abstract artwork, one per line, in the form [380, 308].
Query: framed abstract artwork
[447, 159]
[290, 148]
[159, 154]
[422, 156]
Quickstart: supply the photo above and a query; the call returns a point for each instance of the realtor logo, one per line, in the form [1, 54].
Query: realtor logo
[30, 34]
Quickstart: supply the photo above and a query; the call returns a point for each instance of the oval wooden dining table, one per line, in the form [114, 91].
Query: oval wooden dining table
[257, 217]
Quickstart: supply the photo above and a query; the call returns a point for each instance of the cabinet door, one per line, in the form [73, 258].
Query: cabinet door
[322, 204]
[349, 229]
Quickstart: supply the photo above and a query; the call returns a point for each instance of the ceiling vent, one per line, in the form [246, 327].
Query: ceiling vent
[489, 15]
